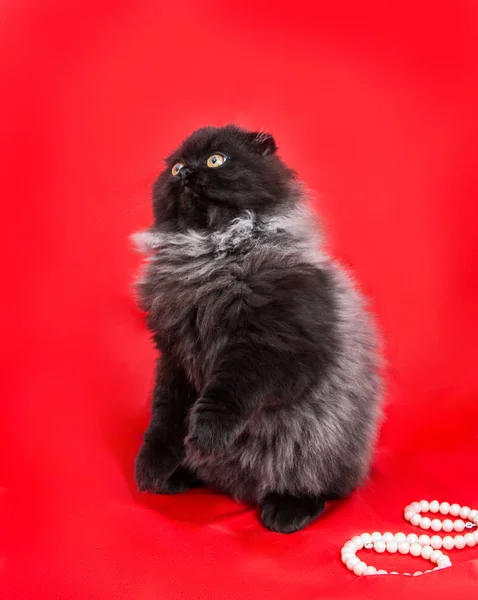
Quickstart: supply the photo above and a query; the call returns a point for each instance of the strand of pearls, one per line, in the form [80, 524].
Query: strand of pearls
[428, 547]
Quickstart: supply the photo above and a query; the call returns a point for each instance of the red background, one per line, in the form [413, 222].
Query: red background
[376, 107]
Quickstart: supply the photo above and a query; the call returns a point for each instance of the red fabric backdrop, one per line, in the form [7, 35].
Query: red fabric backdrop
[376, 107]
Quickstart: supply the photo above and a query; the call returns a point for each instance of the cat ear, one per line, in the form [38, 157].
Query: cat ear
[262, 143]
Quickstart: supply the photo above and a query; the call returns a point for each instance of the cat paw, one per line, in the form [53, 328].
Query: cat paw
[180, 481]
[284, 513]
[154, 464]
[211, 432]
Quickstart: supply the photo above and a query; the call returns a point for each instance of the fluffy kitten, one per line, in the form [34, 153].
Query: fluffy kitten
[267, 387]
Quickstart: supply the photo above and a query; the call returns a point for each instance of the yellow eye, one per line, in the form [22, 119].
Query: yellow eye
[216, 160]
[177, 167]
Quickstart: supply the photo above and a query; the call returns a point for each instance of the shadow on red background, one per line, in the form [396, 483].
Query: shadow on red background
[376, 107]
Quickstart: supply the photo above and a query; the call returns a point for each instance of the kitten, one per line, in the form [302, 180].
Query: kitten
[267, 387]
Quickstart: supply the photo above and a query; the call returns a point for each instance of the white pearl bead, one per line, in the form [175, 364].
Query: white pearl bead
[408, 574]
[400, 537]
[447, 525]
[436, 525]
[434, 506]
[434, 556]
[425, 523]
[455, 510]
[473, 516]
[366, 538]
[475, 535]
[412, 538]
[346, 557]
[416, 519]
[459, 542]
[470, 540]
[352, 562]
[379, 546]
[445, 508]
[376, 536]
[387, 537]
[424, 506]
[417, 573]
[360, 568]
[465, 512]
[436, 542]
[370, 571]
[349, 547]
[415, 549]
[392, 547]
[427, 552]
[444, 561]
[382, 572]
[394, 573]
[448, 542]
[415, 506]
[459, 525]
[403, 547]
[357, 541]
[409, 514]
[424, 540]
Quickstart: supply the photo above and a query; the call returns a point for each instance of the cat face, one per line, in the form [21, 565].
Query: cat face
[217, 173]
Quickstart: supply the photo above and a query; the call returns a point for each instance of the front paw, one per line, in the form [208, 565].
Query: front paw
[154, 464]
[211, 432]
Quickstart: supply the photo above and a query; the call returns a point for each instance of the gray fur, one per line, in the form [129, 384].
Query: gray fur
[321, 442]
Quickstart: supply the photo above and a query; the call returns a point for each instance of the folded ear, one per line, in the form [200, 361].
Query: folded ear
[262, 143]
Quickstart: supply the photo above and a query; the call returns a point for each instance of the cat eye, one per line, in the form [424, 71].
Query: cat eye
[216, 160]
[177, 167]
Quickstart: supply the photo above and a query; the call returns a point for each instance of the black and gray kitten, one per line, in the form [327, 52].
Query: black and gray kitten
[267, 387]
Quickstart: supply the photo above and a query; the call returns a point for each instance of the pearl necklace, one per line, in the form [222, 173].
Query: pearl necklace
[425, 546]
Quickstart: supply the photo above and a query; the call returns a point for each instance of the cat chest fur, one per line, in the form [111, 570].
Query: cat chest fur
[196, 304]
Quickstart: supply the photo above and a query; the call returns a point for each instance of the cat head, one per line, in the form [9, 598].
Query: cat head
[217, 173]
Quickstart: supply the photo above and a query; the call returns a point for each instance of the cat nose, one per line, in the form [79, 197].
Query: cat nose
[185, 173]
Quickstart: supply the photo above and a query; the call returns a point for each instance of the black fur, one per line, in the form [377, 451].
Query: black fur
[267, 385]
